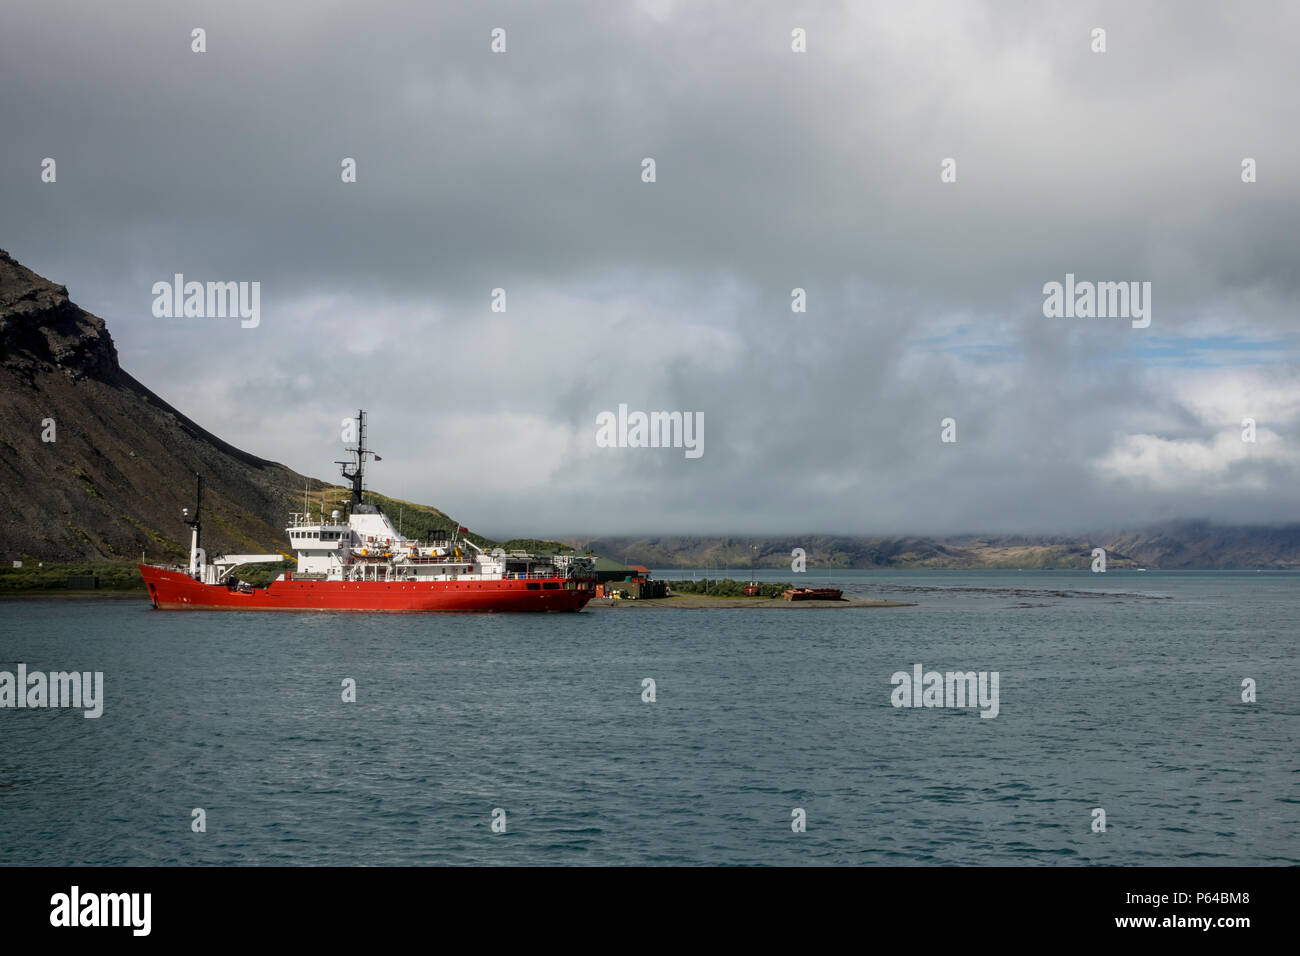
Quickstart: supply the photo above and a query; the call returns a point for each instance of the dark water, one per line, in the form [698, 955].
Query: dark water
[1122, 692]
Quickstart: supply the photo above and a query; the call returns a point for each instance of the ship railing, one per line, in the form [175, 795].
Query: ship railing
[303, 520]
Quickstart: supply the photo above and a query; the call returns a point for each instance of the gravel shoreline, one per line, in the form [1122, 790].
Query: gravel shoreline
[691, 602]
[679, 602]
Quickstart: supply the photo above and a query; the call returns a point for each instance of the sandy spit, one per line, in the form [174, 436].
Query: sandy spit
[690, 602]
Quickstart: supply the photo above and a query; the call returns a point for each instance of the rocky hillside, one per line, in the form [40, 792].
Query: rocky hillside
[121, 466]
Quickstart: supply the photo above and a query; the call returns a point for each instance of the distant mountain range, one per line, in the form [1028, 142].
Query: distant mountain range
[121, 467]
[1183, 544]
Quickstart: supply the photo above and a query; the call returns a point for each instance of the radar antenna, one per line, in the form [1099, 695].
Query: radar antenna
[354, 470]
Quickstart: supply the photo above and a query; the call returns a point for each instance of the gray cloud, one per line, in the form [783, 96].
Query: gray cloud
[775, 170]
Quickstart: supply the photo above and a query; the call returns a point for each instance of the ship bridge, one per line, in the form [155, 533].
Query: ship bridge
[317, 542]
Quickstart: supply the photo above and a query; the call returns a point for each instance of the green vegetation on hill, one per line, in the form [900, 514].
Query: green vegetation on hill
[54, 577]
[538, 546]
[33, 577]
[423, 522]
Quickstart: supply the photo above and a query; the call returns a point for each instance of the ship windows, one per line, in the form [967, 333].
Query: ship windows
[551, 585]
[534, 585]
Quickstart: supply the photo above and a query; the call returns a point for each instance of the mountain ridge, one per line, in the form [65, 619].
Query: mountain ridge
[1184, 545]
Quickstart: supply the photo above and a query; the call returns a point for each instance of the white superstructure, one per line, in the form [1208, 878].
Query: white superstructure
[368, 548]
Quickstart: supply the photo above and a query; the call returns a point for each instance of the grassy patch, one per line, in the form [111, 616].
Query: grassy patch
[726, 588]
[113, 576]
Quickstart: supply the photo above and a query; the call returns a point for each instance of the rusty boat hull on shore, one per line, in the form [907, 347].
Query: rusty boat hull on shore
[813, 594]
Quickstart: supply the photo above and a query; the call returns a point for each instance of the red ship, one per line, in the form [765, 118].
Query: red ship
[365, 564]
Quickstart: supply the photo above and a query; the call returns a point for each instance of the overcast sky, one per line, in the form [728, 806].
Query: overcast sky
[775, 170]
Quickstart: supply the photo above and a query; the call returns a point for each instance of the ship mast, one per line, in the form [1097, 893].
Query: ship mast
[354, 470]
[195, 527]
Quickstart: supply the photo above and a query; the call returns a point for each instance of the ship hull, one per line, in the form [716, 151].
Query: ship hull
[175, 590]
